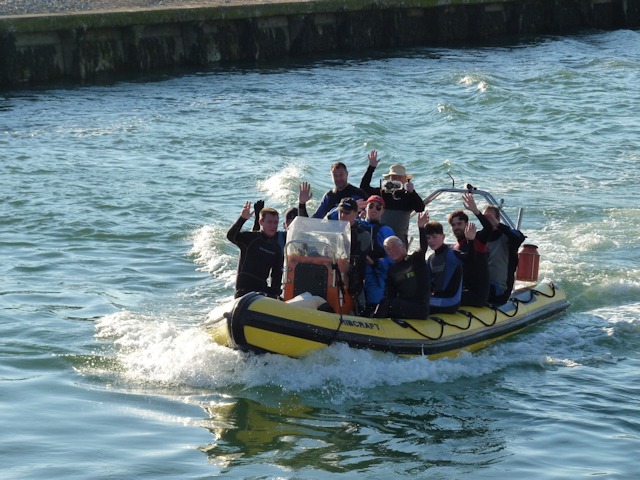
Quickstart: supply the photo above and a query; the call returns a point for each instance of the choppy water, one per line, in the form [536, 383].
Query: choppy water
[115, 201]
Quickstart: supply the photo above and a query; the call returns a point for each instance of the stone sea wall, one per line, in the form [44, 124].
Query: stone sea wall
[43, 48]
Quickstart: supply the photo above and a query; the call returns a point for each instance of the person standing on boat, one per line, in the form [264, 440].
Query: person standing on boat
[361, 248]
[408, 285]
[399, 195]
[376, 271]
[445, 268]
[502, 246]
[260, 255]
[475, 275]
[331, 199]
[281, 235]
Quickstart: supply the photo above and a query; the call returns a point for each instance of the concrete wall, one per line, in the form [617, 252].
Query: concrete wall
[50, 47]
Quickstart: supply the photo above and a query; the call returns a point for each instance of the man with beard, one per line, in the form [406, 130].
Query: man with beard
[330, 201]
[475, 275]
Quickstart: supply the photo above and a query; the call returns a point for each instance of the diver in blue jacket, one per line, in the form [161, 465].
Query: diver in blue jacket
[445, 268]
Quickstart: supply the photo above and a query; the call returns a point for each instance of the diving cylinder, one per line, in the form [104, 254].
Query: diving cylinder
[528, 263]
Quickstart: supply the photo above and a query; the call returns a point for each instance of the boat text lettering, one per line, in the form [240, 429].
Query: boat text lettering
[354, 323]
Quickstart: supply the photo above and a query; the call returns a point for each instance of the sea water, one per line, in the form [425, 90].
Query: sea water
[115, 202]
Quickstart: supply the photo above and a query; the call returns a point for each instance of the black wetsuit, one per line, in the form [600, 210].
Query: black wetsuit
[475, 275]
[398, 205]
[281, 235]
[408, 286]
[260, 257]
[361, 246]
[331, 200]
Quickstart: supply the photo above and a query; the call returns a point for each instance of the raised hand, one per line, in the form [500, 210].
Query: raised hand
[469, 203]
[423, 219]
[246, 211]
[409, 187]
[373, 159]
[259, 205]
[470, 231]
[304, 193]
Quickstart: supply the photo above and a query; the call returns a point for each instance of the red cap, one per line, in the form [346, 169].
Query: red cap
[376, 198]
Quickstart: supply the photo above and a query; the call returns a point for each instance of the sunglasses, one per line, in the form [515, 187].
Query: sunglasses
[377, 207]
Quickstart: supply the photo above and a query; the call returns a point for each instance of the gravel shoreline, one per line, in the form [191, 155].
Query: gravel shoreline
[40, 7]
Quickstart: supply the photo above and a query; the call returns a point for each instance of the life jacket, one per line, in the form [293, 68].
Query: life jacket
[445, 268]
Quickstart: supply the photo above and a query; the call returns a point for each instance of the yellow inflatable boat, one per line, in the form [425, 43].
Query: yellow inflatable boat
[262, 324]
[315, 314]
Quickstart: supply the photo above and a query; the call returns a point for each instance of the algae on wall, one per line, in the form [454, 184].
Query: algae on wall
[45, 48]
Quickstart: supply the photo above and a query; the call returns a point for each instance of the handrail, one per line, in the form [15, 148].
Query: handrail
[313, 242]
[471, 189]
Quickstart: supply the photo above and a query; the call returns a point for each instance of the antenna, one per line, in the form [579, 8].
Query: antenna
[453, 182]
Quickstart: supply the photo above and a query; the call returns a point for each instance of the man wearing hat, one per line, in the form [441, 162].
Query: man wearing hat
[361, 248]
[398, 193]
[376, 272]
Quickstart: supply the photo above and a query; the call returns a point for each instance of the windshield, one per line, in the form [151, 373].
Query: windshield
[314, 237]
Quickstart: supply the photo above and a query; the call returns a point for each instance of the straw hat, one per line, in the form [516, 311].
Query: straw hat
[397, 170]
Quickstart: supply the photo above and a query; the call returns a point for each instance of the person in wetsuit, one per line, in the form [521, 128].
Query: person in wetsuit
[260, 255]
[408, 285]
[331, 199]
[502, 245]
[376, 272]
[281, 235]
[475, 275]
[399, 202]
[361, 247]
[445, 268]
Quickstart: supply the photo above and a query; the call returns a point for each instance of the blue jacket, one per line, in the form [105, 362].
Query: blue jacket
[376, 275]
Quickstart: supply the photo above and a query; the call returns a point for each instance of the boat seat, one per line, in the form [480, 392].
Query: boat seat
[315, 275]
[312, 278]
[308, 274]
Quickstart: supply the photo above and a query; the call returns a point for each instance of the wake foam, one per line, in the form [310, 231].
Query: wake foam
[161, 352]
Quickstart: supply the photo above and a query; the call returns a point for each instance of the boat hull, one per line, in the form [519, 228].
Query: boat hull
[260, 324]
